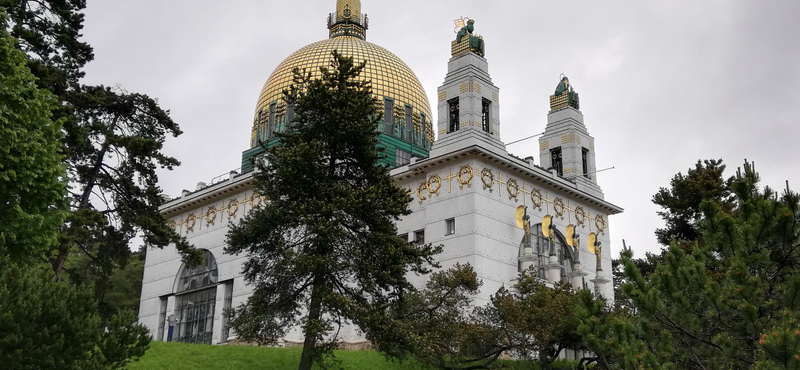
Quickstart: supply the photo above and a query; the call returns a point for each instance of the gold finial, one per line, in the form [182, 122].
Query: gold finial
[349, 9]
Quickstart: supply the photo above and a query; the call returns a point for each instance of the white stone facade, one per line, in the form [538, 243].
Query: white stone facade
[469, 178]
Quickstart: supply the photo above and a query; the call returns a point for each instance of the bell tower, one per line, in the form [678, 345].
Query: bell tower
[468, 101]
[566, 148]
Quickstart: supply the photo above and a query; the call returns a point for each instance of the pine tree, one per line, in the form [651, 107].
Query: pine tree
[324, 250]
[730, 302]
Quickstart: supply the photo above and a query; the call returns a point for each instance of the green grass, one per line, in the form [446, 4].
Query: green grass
[177, 356]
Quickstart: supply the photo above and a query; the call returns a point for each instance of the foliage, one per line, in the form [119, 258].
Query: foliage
[53, 325]
[730, 302]
[442, 327]
[681, 202]
[31, 176]
[324, 250]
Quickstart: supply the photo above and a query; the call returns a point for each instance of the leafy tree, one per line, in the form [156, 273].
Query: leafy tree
[730, 302]
[112, 142]
[442, 327]
[31, 176]
[324, 250]
[681, 202]
[51, 325]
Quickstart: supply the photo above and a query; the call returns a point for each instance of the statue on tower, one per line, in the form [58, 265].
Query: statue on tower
[565, 95]
[466, 41]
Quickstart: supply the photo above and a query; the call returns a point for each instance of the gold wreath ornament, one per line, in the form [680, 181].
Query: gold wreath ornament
[487, 178]
[558, 207]
[255, 200]
[580, 216]
[211, 215]
[172, 224]
[422, 186]
[233, 207]
[600, 222]
[513, 189]
[536, 198]
[434, 184]
[465, 177]
[190, 222]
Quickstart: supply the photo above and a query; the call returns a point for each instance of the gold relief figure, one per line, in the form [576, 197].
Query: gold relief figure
[465, 176]
[487, 178]
[513, 190]
[434, 184]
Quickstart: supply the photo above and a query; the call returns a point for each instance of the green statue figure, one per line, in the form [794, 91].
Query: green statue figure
[475, 43]
[572, 96]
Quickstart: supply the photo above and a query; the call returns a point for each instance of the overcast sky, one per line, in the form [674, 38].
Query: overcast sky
[662, 83]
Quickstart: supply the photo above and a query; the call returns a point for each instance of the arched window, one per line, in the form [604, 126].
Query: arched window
[195, 301]
[542, 246]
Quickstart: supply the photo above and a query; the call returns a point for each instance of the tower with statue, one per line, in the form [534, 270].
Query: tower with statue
[500, 213]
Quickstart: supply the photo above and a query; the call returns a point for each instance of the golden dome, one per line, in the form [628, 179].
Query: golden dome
[390, 76]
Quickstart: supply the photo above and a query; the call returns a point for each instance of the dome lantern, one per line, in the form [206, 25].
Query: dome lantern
[348, 20]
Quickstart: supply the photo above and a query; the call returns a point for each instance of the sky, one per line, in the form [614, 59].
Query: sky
[662, 83]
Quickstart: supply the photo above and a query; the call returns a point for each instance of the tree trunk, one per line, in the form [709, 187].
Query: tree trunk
[312, 326]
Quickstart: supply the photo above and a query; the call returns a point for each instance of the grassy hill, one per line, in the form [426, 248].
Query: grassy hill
[178, 356]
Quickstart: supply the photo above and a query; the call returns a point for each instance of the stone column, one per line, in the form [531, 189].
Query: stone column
[553, 266]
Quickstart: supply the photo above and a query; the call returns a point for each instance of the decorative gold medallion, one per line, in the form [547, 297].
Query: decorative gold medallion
[191, 220]
[488, 179]
[434, 184]
[513, 190]
[422, 187]
[465, 176]
[233, 207]
[536, 198]
[211, 215]
[580, 216]
[600, 222]
[558, 207]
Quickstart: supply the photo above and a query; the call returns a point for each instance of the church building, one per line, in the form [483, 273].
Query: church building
[486, 207]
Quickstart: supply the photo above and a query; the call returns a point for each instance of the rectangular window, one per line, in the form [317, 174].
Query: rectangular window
[162, 319]
[453, 123]
[404, 237]
[450, 226]
[486, 125]
[556, 160]
[401, 157]
[271, 120]
[290, 114]
[196, 316]
[419, 237]
[423, 131]
[409, 123]
[388, 116]
[226, 306]
[586, 163]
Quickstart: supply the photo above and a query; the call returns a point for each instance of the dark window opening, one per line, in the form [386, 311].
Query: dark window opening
[450, 226]
[404, 237]
[423, 131]
[388, 116]
[453, 125]
[556, 160]
[409, 123]
[487, 106]
[419, 237]
[271, 120]
[586, 163]
[402, 157]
